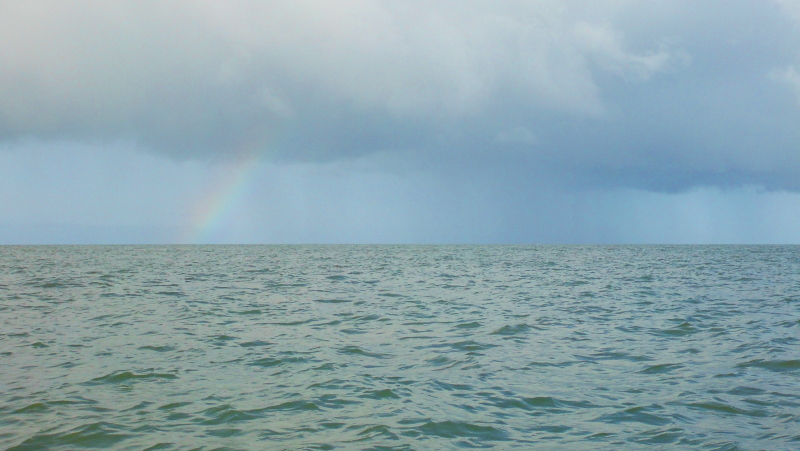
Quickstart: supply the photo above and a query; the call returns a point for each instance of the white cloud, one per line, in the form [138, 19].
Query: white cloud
[223, 72]
[791, 7]
[596, 85]
[788, 76]
[607, 46]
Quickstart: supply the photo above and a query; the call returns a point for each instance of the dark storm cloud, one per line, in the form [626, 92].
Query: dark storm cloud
[653, 95]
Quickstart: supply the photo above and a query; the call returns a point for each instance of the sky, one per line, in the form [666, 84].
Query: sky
[372, 121]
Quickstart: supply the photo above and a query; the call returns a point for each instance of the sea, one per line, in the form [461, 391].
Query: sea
[338, 347]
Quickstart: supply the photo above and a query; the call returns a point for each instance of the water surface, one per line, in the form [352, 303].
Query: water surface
[399, 347]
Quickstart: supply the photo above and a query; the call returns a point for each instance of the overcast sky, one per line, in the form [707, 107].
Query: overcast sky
[367, 121]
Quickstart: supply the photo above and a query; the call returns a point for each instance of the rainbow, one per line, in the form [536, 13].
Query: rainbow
[210, 212]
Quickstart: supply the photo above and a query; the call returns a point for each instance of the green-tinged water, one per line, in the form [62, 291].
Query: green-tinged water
[400, 347]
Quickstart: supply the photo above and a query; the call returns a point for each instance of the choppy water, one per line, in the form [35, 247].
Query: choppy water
[400, 347]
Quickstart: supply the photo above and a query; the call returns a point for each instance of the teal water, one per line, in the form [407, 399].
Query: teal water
[399, 347]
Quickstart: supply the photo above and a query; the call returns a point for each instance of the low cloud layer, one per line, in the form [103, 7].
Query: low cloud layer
[661, 96]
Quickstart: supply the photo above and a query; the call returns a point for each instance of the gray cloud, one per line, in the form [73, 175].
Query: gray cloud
[654, 95]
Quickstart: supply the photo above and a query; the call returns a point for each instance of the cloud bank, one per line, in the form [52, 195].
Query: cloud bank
[661, 95]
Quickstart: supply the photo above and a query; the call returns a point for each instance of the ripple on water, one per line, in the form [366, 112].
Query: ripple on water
[772, 365]
[663, 368]
[36, 407]
[284, 359]
[226, 414]
[725, 409]
[157, 348]
[537, 403]
[516, 329]
[255, 343]
[642, 414]
[351, 350]
[92, 435]
[299, 405]
[119, 377]
[386, 393]
[458, 429]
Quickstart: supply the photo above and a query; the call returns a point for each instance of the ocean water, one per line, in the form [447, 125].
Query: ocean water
[399, 347]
